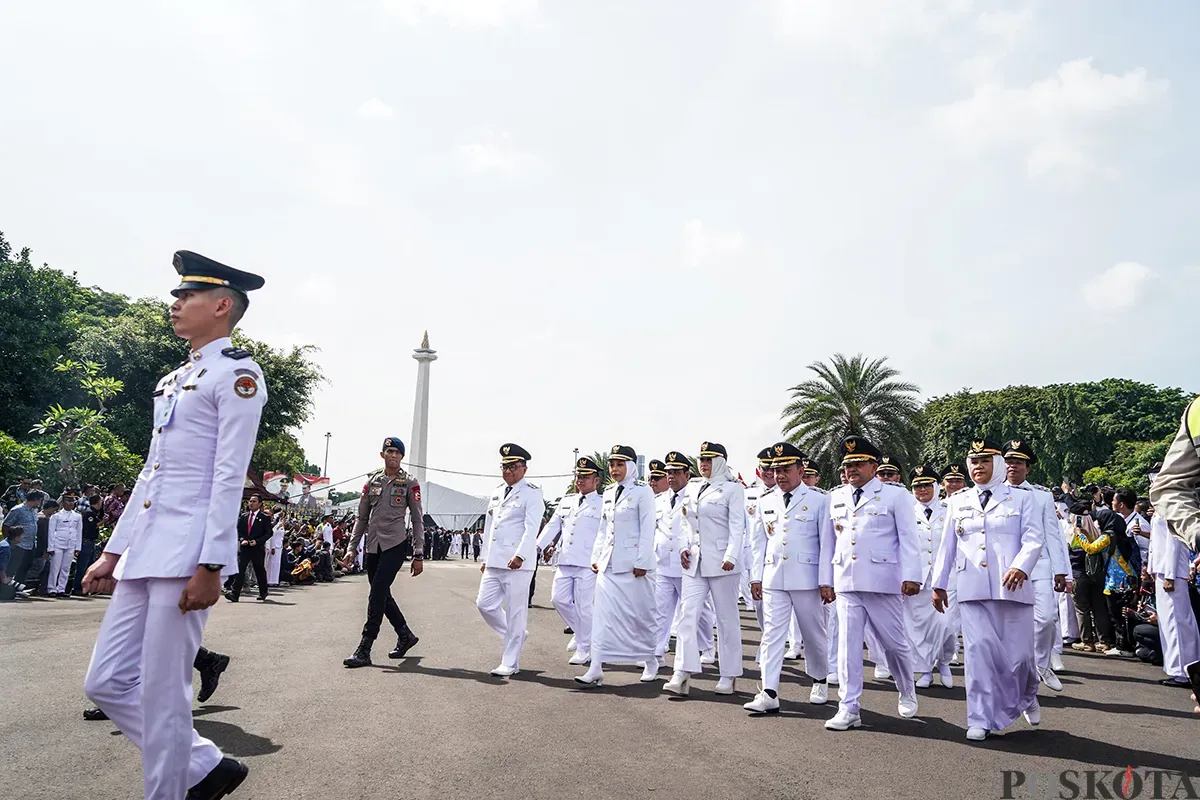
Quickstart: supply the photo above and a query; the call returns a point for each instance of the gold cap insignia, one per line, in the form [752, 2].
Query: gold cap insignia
[1016, 445]
[583, 462]
[505, 449]
[703, 446]
[920, 470]
[672, 456]
[977, 445]
[850, 445]
[778, 449]
[616, 448]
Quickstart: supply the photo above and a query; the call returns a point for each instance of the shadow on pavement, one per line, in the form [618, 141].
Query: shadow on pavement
[234, 741]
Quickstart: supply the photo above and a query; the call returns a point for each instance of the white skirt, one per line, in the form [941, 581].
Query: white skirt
[1002, 679]
[623, 618]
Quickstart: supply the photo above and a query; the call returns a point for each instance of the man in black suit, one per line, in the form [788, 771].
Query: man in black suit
[254, 531]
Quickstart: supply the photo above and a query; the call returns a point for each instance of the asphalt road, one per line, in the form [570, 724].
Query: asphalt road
[437, 724]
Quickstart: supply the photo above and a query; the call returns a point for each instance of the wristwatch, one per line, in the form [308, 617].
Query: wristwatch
[418, 557]
[213, 567]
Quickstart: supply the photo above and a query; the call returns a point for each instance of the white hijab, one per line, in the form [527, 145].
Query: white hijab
[631, 474]
[998, 475]
[721, 471]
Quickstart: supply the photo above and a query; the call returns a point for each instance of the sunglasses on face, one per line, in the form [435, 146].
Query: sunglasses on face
[510, 467]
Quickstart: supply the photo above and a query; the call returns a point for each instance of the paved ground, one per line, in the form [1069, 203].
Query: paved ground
[438, 724]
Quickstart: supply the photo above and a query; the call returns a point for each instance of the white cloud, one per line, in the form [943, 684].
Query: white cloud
[375, 109]
[1002, 31]
[1055, 122]
[702, 245]
[465, 13]
[494, 153]
[863, 28]
[1119, 286]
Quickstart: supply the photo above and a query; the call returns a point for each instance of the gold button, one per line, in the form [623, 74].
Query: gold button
[493, 538]
[854, 558]
[809, 560]
[983, 563]
[785, 558]
[156, 465]
[930, 562]
[983, 547]
[885, 558]
[852, 541]
[931, 551]
[785, 541]
[146, 504]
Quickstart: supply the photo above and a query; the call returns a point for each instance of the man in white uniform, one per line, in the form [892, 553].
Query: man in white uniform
[932, 640]
[510, 531]
[167, 553]
[954, 479]
[65, 537]
[668, 573]
[1170, 566]
[571, 533]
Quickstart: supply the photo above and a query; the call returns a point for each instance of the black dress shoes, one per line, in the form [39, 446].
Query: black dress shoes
[225, 777]
[210, 675]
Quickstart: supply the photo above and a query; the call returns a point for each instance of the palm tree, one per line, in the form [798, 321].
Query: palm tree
[854, 396]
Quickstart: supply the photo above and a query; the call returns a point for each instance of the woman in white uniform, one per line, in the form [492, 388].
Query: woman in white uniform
[623, 622]
[714, 528]
[992, 541]
[275, 556]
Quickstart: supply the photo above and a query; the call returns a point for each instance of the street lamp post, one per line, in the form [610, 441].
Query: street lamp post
[325, 471]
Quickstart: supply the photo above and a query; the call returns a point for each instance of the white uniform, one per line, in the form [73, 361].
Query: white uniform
[623, 623]
[572, 530]
[755, 493]
[510, 529]
[792, 545]
[1054, 560]
[182, 513]
[714, 526]
[65, 537]
[1176, 619]
[327, 536]
[668, 574]
[275, 557]
[929, 632]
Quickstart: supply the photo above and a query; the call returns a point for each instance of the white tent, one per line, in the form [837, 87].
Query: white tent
[449, 508]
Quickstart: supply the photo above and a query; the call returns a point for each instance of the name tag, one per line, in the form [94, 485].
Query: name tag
[165, 410]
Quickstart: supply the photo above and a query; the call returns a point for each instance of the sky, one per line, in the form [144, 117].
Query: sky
[635, 221]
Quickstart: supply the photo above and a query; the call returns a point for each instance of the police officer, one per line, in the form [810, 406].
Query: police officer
[1174, 491]
[571, 533]
[166, 555]
[514, 517]
[389, 496]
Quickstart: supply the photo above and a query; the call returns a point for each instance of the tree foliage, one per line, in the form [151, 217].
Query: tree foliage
[854, 396]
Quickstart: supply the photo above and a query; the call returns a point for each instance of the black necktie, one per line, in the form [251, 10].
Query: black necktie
[857, 496]
[703, 489]
[620, 488]
[929, 513]
[984, 497]
[507, 489]
[787, 499]
[674, 497]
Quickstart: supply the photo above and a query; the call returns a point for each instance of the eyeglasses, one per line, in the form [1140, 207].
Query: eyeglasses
[510, 467]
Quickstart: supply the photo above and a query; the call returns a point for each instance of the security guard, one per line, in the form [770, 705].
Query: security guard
[571, 533]
[168, 552]
[514, 517]
[1174, 491]
[391, 500]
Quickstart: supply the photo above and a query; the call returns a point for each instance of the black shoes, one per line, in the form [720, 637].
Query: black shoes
[225, 777]
[231, 597]
[567, 630]
[406, 641]
[361, 657]
[94, 714]
[210, 675]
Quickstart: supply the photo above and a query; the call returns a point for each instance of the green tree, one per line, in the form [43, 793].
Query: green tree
[853, 396]
[68, 425]
[1131, 410]
[1129, 466]
[279, 453]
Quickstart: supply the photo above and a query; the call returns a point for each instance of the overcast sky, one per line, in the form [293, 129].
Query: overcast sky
[629, 221]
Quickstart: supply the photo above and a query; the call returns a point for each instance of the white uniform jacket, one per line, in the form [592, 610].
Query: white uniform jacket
[1169, 558]
[183, 510]
[575, 523]
[929, 537]
[512, 524]
[65, 530]
[983, 545]
[755, 493]
[668, 535]
[792, 547]
[876, 548]
[626, 537]
[714, 526]
[1054, 559]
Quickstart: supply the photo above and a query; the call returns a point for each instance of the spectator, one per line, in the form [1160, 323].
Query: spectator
[114, 505]
[1089, 564]
[9, 588]
[25, 515]
[91, 540]
[15, 494]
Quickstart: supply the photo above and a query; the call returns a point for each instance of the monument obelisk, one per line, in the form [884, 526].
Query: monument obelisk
[418, 450]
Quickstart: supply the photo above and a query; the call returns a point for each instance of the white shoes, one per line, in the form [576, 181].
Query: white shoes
[1056, 662]
[832, 678]
[679, 684]
[946, 676]
[1050, 679]
[925, 680]
[724, 686]
[881, 673]
[571, 644]
[907, 706]
[843, 721]
[763, 703]
[792, 653]
[819, 694]
[977, 734]
[1033, 714]
[954, 660]
[580, 658]
[650, 670]
[708, 657]
[503, 671]
[592, 678]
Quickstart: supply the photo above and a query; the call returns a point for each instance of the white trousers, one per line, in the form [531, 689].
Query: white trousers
[724, 591]
[274, 562]
[831, 635]
[503, 601]
[141, 677]
[572, 594]
[1176, 628]
[780, 609]
[929, 633]
[60, 570]
[1068, 621]
[882, 616]
[1045, 622]
[668, 596]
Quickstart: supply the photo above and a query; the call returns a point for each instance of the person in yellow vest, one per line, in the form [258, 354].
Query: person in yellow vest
[1174, 491]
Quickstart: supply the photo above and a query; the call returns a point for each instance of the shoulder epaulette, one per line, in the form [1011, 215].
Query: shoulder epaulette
[235, 352]
[964, 489]
[1022, 488]
[531, 485]
[819, 489]
[767, 492]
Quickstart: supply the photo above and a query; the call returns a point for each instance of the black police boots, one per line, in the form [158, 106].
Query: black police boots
[406, 641]
[210, 674]
[362, 656]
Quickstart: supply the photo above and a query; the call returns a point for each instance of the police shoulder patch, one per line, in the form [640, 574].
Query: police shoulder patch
[235, 352]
